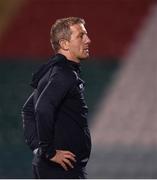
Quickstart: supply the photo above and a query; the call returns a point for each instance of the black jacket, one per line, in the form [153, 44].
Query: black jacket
[55, 115]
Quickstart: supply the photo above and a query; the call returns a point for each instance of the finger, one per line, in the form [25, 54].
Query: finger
[68, 162]
[70, 157]
[70, 153]
[64, 166]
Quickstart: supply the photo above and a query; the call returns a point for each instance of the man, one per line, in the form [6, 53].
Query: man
[55, 115]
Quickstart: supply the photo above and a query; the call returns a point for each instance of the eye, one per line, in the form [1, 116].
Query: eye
[81, 35]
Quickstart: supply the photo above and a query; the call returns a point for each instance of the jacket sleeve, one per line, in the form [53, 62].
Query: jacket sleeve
[45, 111]
[29, 124]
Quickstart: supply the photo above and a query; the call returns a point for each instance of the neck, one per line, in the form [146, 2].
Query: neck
[69, 56]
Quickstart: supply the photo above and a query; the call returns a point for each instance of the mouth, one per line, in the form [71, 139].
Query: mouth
[86, 49]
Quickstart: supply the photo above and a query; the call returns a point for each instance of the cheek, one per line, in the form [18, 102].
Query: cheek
[75, 46]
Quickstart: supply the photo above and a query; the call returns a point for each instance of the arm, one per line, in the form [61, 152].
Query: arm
[45, 111]
[29, 125]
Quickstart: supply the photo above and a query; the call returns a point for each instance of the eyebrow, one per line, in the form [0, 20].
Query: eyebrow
[82, 33]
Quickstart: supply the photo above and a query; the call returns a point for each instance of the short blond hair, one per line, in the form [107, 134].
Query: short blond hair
[61, 30]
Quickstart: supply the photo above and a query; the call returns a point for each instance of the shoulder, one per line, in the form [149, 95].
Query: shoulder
[64, 73]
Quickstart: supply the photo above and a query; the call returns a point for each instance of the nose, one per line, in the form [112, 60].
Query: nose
[88, 41]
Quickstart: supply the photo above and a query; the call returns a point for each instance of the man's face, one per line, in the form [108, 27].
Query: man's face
[79, 42]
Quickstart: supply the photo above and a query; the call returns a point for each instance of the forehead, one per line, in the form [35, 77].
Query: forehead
[78, 28]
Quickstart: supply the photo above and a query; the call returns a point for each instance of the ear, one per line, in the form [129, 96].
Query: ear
[64, 44]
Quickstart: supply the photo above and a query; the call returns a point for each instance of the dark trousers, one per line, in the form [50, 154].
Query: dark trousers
[52, 172]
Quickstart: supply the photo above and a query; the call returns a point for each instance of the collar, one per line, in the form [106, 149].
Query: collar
[58, 58]
[74, 65]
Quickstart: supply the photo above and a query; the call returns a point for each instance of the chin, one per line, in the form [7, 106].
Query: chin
[84, 57]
